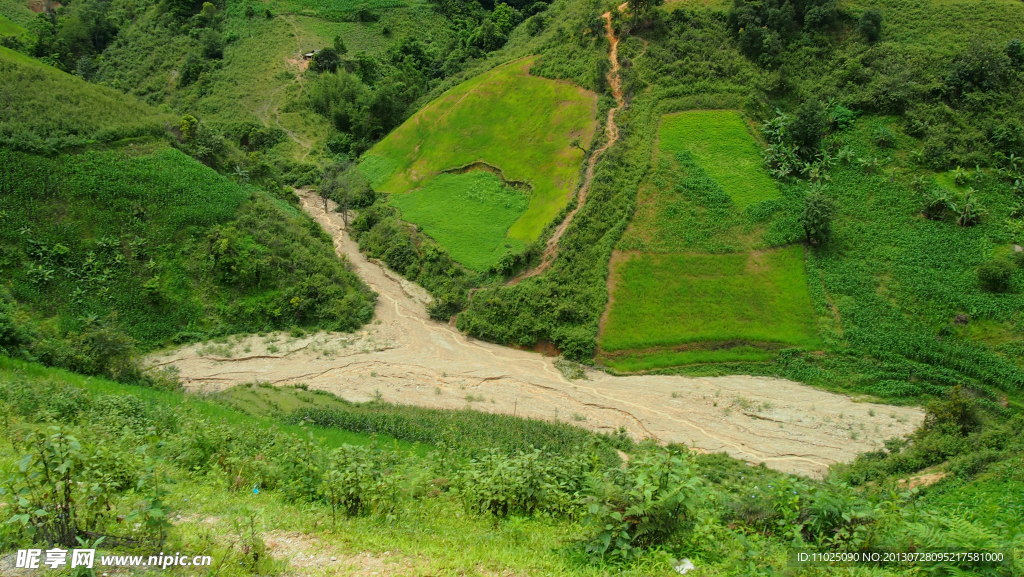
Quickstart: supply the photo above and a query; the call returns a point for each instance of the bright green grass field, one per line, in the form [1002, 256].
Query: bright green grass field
[469, 214]
[521, 124]
[666, 300]
[722, 145]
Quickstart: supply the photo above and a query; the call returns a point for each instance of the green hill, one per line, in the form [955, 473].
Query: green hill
[134, 245]
[46, 109]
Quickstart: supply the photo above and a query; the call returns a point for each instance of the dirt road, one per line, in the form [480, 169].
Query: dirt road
[404, 357]
[611, 132]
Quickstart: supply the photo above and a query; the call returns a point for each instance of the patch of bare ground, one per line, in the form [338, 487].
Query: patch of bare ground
[407, 358]
[312, 556]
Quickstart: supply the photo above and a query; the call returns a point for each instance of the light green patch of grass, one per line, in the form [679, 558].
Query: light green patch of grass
[665, 300]
[9, 28]
[722, 145]
[469, 214]
[664, 359]
[521, 124]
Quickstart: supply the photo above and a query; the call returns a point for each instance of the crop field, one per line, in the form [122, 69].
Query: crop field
[696, 278]
[335, 9]
[758, 297]
[938, 25]
[469, 214]
[721, 143]
[77, 112]
[522, 125]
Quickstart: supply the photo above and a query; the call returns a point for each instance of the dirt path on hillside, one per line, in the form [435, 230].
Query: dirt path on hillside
[404, 357]
[611, 131]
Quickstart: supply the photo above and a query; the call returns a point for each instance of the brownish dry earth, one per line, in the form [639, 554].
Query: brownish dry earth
[404, 357]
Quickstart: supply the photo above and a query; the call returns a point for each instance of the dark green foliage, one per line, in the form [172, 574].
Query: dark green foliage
[358, 481]
[121, 250]
[956, 412]
[762, 29]
[996, 275]
[523, 483]
[381, 235]
[325, 60]
[870, 25]
[816, 219]
[640, 506]
[980, 68]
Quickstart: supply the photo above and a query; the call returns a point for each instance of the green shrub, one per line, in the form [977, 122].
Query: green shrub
[996, 275]
[640, 506]
[523, 483]
[359, 481]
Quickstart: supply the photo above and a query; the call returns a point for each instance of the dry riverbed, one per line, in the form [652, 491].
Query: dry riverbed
[404, 357]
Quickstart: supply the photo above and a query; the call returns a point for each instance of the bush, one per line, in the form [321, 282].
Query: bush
[359, 481]
[523, 483]
[870, 25]
[996, 276]
[641, 506]
[817, 216]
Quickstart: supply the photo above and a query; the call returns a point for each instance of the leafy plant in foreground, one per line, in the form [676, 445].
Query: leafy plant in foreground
[641, 506]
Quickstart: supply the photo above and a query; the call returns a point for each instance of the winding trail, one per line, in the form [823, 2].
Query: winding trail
[611, 131]
[405, 357]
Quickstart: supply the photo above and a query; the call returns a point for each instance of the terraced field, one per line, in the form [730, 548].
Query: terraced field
[694, 279]
[507, 122]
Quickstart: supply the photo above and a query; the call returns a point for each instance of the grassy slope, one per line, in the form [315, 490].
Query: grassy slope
[756, 297]
[722, 145]
[431, 532]
[17, 12]
[44, 107]
[506, 118]
[469, 214]
[12, 369]
[129, 236]
[141, 237]
[939, 25]
[692, 283]
[9, 27]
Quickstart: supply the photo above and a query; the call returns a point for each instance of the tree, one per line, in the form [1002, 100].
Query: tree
[642, 7]
[870, 25]
[326, 60]
[339, 46]
[808, 126]
[817, 216]
[996, 276]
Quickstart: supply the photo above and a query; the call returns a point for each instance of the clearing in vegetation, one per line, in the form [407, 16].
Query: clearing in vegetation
[697, 276]
[721, 144]
[523, 126]
[485, 208]
[710, 298]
